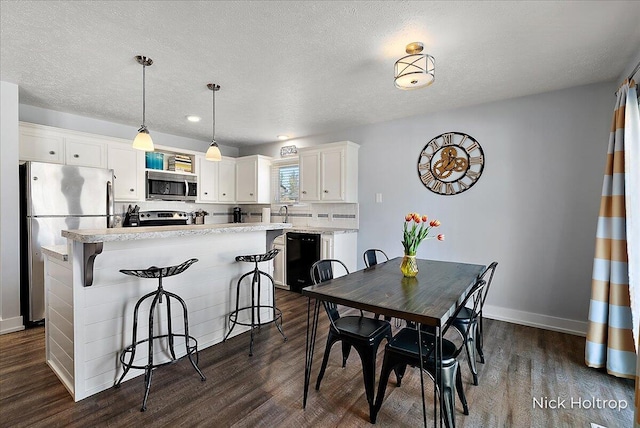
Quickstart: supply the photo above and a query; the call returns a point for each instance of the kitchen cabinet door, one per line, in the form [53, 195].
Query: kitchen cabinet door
[246, 179]
[329, 173]
[279, 268]
[207, 180]
[326, 246]
[128, 170]
[38, 144]
[253, 183]
[310, 177]
[85, 152]
[332, 173]
[226, 180]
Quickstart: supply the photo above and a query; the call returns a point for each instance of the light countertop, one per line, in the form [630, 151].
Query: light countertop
[57, 252]
[135, 233]
[310, 229]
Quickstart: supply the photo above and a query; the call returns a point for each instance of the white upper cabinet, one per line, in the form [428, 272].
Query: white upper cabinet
[85, 151]
[253, 179]
[40, 144]
[128, 171]
[329, 173]
[207, 179]
[309, 176]
[226, 180]
[48, 144]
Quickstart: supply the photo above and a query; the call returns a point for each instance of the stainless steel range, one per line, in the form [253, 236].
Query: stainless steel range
[163, 218]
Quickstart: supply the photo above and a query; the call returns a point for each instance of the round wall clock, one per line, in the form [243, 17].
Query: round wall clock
[450, 163]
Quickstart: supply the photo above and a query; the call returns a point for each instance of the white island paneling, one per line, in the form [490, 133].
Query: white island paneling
[88, 326]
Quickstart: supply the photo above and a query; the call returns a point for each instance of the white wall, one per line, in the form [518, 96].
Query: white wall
[95, 126]
[534, 210]
[10, 319]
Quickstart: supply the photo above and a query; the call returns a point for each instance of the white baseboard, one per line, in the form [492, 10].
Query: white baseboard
[10, 325]
[563, 325]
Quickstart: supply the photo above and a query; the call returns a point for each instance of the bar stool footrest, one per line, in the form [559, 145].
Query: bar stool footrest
[191, 349]
[233, 316]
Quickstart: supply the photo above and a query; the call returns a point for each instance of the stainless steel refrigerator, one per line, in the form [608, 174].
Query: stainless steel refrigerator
[55, 198]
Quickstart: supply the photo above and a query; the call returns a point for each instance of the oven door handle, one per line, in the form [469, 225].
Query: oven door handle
[186, 188]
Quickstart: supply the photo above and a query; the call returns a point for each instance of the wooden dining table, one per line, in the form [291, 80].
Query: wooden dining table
[428, 299]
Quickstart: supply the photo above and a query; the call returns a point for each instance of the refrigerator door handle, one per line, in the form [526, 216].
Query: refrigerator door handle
[110, 205]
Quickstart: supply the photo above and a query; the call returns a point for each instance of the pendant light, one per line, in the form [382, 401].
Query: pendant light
[143, 139]
[415, 70]
[213, 152]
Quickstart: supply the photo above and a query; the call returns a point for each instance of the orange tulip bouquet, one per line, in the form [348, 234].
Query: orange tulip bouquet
[413, 235]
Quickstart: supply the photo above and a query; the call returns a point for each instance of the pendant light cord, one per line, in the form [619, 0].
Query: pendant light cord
[144, 85]
[213, 124]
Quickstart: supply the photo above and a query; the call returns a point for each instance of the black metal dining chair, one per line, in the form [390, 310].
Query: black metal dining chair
[371, 256]
[363, 333]
[403, 350]
[469, 325]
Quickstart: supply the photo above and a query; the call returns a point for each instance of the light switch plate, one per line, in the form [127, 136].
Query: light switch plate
[378, 198]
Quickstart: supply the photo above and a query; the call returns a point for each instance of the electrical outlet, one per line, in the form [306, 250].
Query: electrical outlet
[378, 198]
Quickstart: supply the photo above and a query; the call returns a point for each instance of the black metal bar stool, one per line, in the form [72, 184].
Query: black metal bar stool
[191, 344]
[256, 306]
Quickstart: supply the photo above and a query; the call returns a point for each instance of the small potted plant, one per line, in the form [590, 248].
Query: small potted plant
[198, 216]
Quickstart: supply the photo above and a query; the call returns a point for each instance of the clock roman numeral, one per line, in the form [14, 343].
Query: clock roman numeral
[462, 186]
[449, 188]
[476, 160]
[437, 186]
[423, 166]
[447, 139]
[433, 145]
[473, 146]
[464, 138]
[473, 175]
[427, 178]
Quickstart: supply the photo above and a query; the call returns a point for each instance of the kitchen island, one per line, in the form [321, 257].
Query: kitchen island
[89, 303]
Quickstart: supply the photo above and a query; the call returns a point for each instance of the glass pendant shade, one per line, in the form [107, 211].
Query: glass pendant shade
[143, 141]
[213, 153]
[416, 70]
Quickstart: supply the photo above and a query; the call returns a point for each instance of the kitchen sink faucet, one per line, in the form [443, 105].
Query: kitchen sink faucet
[286, 213]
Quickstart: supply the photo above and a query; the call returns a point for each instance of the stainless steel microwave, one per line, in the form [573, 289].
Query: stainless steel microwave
[170, 187]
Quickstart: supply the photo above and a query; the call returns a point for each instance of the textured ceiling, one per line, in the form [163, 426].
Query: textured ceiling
[300, 67]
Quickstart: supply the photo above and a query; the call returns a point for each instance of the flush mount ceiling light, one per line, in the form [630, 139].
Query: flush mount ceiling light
[415, 70]
[143, 139]
[192, 118]
[283, 137]
[213, 152]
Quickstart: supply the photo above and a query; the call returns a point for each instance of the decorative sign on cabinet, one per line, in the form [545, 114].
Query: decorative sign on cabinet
[329, 173]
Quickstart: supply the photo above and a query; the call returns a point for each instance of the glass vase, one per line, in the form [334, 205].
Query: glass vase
[409, 266]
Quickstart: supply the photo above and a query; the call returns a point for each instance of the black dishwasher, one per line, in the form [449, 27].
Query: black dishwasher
[303, 250]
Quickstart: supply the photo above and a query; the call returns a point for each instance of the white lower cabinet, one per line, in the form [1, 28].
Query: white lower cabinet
[280, 263]
[340, 246]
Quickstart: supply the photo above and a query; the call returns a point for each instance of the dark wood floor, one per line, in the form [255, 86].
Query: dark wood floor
[523, 363]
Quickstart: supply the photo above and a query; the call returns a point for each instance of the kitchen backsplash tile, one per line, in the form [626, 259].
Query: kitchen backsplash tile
[312, 215]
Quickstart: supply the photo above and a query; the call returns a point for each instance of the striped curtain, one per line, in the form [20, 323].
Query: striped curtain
[610, 335]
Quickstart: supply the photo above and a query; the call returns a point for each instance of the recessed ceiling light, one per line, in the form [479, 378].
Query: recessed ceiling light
[283, 137]
[192, 118]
